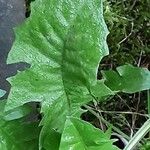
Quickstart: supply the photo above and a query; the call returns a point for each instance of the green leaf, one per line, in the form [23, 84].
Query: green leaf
[64, 47]
[100, 90]
[2, 93]
[64, 42]
[49, 139]
[81, 135]
[2, 105]
[64, 65]
[127, 79]
[16, 135]
[17, 113]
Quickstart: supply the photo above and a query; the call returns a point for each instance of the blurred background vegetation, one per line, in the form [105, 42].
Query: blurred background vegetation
[128, 22]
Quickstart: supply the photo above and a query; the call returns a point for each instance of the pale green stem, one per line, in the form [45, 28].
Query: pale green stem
[106, 122]
[138, 136]
[148, 99]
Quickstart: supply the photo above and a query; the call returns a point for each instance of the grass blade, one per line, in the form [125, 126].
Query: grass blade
[138, 136]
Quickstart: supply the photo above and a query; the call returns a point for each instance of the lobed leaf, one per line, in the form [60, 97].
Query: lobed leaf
[63, 41]
[101, 91]
[78, 134]
[127, 79]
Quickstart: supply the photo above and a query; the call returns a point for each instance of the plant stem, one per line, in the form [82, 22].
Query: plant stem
[148, 100]
[148, 103]
[138, 136]
[106, 122]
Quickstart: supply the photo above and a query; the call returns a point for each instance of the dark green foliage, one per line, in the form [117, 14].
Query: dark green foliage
[128, 23]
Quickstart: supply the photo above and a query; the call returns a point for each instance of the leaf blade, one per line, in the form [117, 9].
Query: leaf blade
[128, 79]
[78, 134]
